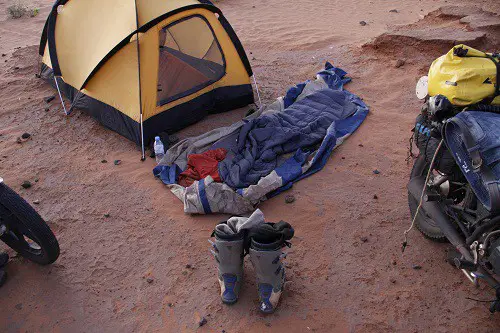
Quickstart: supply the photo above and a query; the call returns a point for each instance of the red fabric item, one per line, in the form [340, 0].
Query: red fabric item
[201, 165]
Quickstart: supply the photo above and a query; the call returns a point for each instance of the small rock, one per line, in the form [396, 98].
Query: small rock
[47, 109]
[416, 267]
[393, 11]
[26, 184]
[360, 145]
[118, 162]
[343, 157]
[376, 171]
[399, 63]
[36, 202]
[36, 180]
[393, 280]
[149, 280]
[394, 262]
[170, 305]
[104, 161]
[189, 266]
[26, 136]
[49, 99]
[107, 215]
[364, 239]
[16, 68]
[289, 199]
[202, 322]
[3, 54]
[19, 306]
[253, 58]
[375, 196]
[19, 140]
[362, 23]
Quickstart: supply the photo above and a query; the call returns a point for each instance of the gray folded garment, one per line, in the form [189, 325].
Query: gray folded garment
[236, 224]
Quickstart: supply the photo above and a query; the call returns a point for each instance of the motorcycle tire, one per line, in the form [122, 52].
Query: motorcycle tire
[423, 223]
[27, 233]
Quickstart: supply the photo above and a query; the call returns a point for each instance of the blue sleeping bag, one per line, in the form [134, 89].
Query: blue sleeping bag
[263, 140]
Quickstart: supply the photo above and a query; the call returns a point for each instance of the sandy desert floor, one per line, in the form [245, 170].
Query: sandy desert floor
[346, 271]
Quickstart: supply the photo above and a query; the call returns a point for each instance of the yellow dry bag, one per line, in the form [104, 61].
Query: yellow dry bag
[466, 76]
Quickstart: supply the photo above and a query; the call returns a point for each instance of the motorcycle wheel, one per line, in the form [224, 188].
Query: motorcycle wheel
[423, 223]
[26, 233]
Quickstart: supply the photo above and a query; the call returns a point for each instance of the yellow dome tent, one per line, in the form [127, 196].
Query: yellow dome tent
[141, 67]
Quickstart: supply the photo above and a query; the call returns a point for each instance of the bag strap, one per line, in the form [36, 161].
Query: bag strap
[495, 57]
[496, 60]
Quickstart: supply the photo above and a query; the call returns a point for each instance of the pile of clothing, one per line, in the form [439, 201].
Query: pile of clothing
[232, 169]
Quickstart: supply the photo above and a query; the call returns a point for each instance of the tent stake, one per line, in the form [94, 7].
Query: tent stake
[60, 96]
[257, 88]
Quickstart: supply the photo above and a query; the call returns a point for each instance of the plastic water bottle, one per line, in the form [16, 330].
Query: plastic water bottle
[159, 149]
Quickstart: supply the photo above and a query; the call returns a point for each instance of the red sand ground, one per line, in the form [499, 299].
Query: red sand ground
[338, 281]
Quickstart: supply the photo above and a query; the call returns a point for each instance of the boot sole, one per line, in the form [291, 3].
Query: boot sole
[230, 302]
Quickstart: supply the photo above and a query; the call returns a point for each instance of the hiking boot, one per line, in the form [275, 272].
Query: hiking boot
[4, 259]
[270, 272]
[3, 276]
[229, 256]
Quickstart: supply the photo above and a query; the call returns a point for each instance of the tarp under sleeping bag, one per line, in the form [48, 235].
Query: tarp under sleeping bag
[271, 149]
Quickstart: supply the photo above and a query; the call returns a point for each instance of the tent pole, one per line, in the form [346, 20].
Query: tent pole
[143, 152]
[60, 96]
[142, 141]
[257, 88]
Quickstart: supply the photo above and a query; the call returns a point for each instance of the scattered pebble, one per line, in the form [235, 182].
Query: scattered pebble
[118, 162]
[189, 266]
[49, 99]
[104, 161]
[19, 140]
[3, 54]
[417, 267]
[26, 184]
[47, 109]
[376, 171]
[202, 322]
[363, 23]
[107, 215]
[289, 199]
[364, 239]
[170, 305]
[399, 63]
[36, 202]
[375, 196]
[360, 145]
[393, 280]
[149, 280]
[26, 136]
[19, 306]
[394, 262]
[36, 180]
[393, 11]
